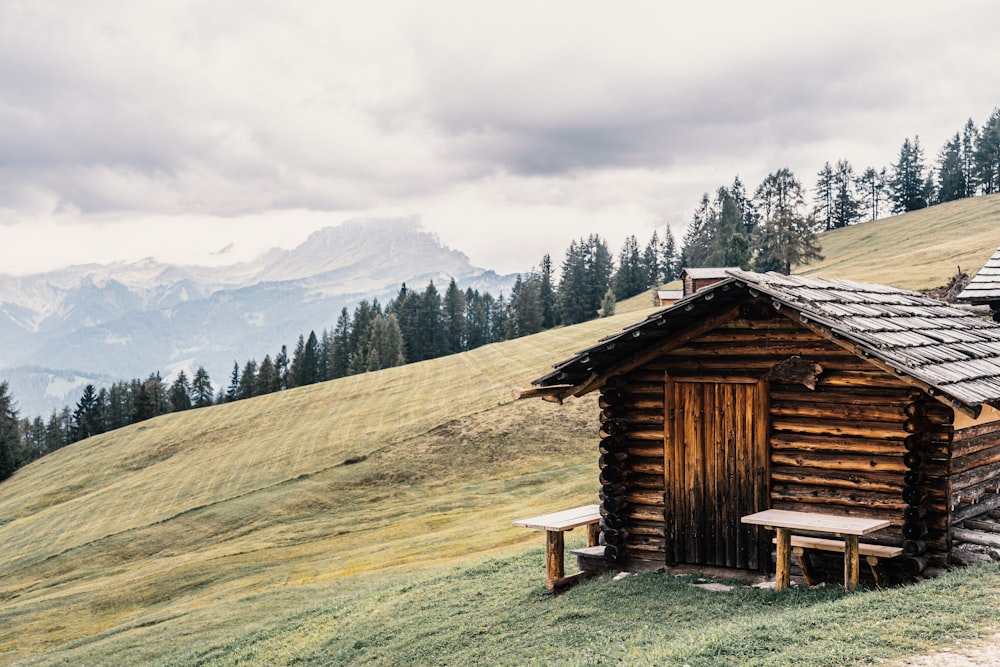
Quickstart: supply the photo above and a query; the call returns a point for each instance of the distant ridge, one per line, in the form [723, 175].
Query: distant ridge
[126, 320]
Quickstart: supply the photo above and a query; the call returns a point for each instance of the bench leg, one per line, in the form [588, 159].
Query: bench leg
[554, 570]
[881, 578]
[784, 564]
[851, 562]
[806, 566]
[593, 534]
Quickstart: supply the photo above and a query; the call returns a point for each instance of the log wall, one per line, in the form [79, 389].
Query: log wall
[975, 471]
[860, 443]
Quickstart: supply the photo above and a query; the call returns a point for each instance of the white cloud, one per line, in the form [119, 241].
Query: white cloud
[508, 128]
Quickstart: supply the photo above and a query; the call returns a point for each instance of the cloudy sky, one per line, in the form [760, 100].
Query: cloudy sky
[174, 129]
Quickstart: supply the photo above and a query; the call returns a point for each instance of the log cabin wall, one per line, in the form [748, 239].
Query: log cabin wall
[975, 471]
[860, 443]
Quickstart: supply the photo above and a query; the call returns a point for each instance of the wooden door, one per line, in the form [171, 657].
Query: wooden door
[716, 469]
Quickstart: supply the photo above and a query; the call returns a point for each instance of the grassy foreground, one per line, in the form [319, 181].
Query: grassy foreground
[493, 611]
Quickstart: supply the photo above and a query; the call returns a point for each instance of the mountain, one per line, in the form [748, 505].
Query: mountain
[62, 329]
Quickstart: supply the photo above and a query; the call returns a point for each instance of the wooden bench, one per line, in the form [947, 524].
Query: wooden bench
[873, 553]
[555, 525]
[783, 522]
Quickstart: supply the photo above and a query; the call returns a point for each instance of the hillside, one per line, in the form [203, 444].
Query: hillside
[323, 516]
[919, 250]
[192, 513]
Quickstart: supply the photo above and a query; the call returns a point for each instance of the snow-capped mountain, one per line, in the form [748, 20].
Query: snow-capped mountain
[62, 329]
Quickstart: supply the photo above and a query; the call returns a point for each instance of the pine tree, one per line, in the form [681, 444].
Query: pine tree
[201, 388]
[430, 328]
[785, 235]
[629, 279]
[311, 360]
[987, 157]
[145, 405]
[571, 286]
[340, 362]
[360, 336]
[652, 262]
[119, 406]
[453, 313]
[10, 438]
[871, 187]
[825, 192]
[281, 368]
[951, 175]
[586, 276]
[86, 416]
[970, 139]
[525, 306]
[746, 207]
[385, 349]
[406, 307]
[671, 261]
[846, 206]
[267, 378]
[180, 393]
[247, 386]
[234, 383]
[392, 349]
[324, 363]
[608, 303]
[909, 187]
[498, 319]
[697, 239]
[477, 317]
[547, 294]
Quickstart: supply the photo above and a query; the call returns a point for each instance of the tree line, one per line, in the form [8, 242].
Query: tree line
[413, 326]
[774, 228]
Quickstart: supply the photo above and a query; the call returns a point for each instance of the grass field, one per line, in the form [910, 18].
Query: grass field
[368, 521]
[919, 250]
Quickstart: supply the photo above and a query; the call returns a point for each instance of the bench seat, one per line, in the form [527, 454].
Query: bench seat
[555, 525]
[873, 554]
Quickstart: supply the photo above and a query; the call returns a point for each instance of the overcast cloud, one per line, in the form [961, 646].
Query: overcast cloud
[174, 128]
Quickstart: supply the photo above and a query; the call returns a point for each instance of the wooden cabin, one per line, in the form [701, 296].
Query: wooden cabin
[765, 391]
[984, 288]
[695, 279]
[668, 297]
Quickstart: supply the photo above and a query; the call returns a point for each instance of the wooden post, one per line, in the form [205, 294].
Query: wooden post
[851, 564]
[782, 576]
[806, 566]
[593, 534]
[881, 580]
[553, 558]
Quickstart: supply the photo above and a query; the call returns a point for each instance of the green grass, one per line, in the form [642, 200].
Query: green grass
[493, 611]
[368, 521]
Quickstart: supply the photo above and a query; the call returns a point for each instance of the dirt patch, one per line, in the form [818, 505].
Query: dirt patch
[977, 653]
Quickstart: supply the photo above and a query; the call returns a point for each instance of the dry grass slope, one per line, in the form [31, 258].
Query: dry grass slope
[919, 250]
[411, 467]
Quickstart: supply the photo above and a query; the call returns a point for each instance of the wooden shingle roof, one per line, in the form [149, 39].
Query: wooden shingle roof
[952, 354]
[985, 286]
[698, 273]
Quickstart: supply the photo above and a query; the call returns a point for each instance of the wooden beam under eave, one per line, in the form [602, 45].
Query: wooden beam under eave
[554, 393]
[972, 411]
[595, 381]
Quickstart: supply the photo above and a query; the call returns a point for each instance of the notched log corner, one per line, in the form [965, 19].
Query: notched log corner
[795, 370]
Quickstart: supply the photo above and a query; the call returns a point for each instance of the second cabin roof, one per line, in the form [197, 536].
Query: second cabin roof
[950, 353]
[985, 286]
